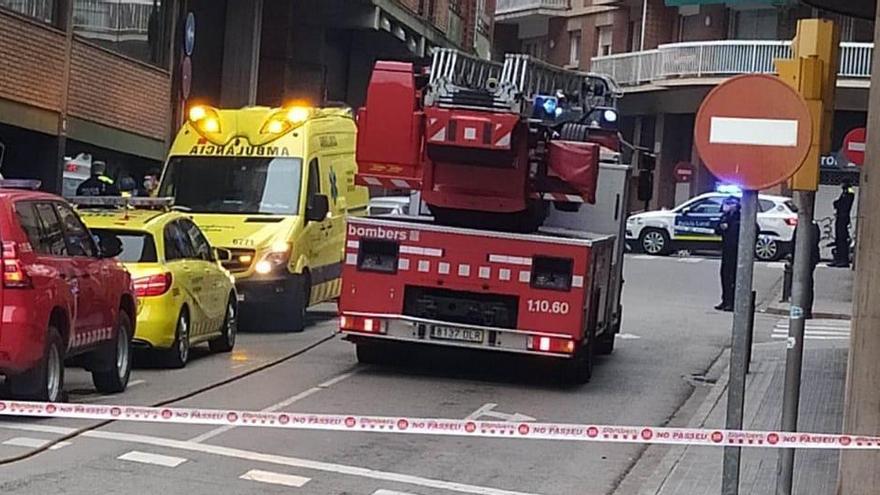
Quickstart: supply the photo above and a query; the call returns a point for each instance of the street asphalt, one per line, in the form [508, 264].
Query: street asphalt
[671, 336]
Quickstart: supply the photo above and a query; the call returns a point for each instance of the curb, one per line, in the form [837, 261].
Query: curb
[817, 315]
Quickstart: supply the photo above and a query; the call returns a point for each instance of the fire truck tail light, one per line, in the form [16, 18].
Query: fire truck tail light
[551, 344]
[378, 255]
[360, 324]
[14, 276]
[552, 273]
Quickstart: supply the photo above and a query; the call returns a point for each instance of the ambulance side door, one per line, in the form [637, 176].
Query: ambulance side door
[318, 232]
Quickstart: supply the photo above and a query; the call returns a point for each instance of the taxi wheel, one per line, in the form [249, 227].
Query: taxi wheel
[111, 373]
[226, 342]
[178, 355]
[45, 382]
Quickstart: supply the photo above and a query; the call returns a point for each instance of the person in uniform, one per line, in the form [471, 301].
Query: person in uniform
[98, 184]
[842, 211]
[728, 229]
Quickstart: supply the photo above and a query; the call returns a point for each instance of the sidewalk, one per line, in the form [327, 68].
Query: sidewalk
[697, 470]
[833, 295]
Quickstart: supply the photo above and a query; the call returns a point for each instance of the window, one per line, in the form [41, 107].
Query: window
[137, 247]
[43, 10]
[201, 247]
[53, 234]
[135, 28]
[708, 206]
[758, 24]
[177, 243]
[201, 184]
[30, 223]
[765, 205]
[605, 37]
[78, 239]
[574, 49]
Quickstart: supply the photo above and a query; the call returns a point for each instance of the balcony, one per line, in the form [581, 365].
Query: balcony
[518, 10]
[716, 59]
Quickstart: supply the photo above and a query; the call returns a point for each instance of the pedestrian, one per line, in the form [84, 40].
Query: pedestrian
[98, 184]
[728, 229]
[151, 183]
[842, 210]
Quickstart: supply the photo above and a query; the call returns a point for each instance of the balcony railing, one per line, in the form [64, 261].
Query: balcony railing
[719, 59]
[508, 7]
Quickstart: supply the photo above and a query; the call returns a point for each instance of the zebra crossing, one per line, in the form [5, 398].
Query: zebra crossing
[816, 330]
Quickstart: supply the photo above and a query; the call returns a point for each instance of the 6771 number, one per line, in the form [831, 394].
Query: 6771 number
[549, 307]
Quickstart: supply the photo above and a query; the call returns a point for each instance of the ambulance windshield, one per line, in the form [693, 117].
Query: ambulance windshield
[269, 186]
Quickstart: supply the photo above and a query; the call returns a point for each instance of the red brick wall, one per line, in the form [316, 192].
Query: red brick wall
[441, 14]
[32, 61]
[412, 5]
[110, 90]
[662, 24]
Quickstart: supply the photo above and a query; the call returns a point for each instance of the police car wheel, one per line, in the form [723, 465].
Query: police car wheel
[767, 249]
[654, 242]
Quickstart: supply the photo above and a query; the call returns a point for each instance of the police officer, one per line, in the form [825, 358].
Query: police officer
[98, 184]
[728, 228]
[842, 210]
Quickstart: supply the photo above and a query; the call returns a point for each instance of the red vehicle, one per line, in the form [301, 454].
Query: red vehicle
[507, 157]
[63, 298]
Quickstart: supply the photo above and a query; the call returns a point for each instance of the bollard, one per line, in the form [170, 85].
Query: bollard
[786, 282]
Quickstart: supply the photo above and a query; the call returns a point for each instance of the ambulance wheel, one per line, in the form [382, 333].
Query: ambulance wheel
[294, 314]
[579, 369]
[655, 242]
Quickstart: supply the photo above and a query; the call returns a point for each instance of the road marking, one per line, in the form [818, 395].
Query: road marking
[754, 132]
[33, 443]
[57, 430]
[157, 459]
[644, 257]
[488, 411]
[299, 463]
[628, 336]
[275, 478]
[136, 383]
[280, 405]
[691, 260]
[382, 491]
[815, 330]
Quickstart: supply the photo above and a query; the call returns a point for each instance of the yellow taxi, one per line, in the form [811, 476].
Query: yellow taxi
[185, 297]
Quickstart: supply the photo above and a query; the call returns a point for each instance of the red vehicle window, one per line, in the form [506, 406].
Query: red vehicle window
[79, 240]
[52, 233]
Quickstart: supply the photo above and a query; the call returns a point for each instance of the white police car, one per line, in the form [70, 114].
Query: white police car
[691, 226]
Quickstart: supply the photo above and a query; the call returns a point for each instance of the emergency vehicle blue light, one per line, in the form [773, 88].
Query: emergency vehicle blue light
[550, 105]
[731, 189]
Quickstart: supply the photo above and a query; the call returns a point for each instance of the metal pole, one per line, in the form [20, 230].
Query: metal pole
[752, 300]
[644, 25]
[796, 324]
[739, 340]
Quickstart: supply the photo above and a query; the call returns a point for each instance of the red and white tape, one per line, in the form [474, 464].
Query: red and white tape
[448, 427]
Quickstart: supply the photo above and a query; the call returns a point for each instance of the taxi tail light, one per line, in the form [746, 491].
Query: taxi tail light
[551, 344]
[14, 276]
[361, 324]
[153, 285]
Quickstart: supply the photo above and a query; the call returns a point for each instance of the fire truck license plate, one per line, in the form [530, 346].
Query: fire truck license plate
[452, 333]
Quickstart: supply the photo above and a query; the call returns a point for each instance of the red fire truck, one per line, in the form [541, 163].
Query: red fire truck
[518, 164]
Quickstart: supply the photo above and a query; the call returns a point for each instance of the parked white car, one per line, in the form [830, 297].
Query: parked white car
[691, 226]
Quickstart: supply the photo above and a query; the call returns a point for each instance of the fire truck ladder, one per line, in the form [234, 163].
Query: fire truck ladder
[462, 80]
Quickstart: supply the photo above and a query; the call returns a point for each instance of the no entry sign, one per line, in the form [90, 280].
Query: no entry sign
[854, 145]
[684, 172]
[754, 131]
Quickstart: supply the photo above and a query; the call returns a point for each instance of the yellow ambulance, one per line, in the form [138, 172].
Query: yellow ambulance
[272, 186]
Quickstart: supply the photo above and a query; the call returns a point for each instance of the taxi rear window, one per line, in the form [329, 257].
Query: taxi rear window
[137, 247]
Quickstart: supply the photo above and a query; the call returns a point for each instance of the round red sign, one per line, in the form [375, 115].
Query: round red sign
[854, 145]
[684, 172]
[753, 131]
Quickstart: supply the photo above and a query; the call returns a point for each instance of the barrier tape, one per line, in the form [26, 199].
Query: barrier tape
[447, 427]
